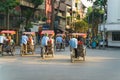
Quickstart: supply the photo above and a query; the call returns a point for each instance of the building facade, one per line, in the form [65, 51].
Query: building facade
[67, 11]
[112, 26]
[62, 13]
[48, 11]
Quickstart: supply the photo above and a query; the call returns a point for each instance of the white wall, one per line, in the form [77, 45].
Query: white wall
[35, 28]
[119, 12]
[109, 27]
[113, 21]
[113, 11]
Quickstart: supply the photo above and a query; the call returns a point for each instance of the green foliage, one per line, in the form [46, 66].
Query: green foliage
[44, 19]
[95, 15]
[6, 5]
[29, 13]
[37, 2]
[101, 11]
[29, 25]
[78, 16]
[100, 2]
[39, 17]
[81, 26]
[90, 10]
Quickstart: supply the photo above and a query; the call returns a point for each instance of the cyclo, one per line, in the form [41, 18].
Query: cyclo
[30, 44]
[59, 45]
[9, 45]
[81, 49]
[49, 48]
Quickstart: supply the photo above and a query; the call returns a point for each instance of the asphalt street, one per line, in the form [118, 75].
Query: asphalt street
[99, 65]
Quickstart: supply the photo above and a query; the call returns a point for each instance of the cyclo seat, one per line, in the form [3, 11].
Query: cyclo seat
[80, 50]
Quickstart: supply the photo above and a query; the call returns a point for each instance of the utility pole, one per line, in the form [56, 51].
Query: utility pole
[104, 31]
[93, 21]
[52, 15]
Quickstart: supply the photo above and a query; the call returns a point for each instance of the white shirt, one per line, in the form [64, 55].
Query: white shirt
[2, 38]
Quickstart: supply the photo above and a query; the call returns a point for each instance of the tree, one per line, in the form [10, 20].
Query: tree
[36, 4]
[101, 3]
[29, 13]
[95, 15]
[6, 6]
[81, 26]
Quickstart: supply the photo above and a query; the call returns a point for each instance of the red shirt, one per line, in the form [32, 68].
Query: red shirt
[80, 42]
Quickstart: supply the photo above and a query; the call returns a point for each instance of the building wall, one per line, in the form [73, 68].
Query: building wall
[113, 15]
[48, 10]
[112, 27]
[26, 3]
[65, 9]
[119, 11]
[111, 42]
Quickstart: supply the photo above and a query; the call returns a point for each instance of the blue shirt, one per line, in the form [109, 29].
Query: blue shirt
[2, 38]
[59, 39]
[24, 39]
[44, 40]
[73, 42]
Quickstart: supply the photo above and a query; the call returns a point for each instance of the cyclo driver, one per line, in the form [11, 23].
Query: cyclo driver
[44, 41]
[2, 39]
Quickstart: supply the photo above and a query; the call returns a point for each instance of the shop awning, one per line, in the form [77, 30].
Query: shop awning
[47, 32]
[60, 34]
[8, 32]
[84, 35]
[30, 33]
